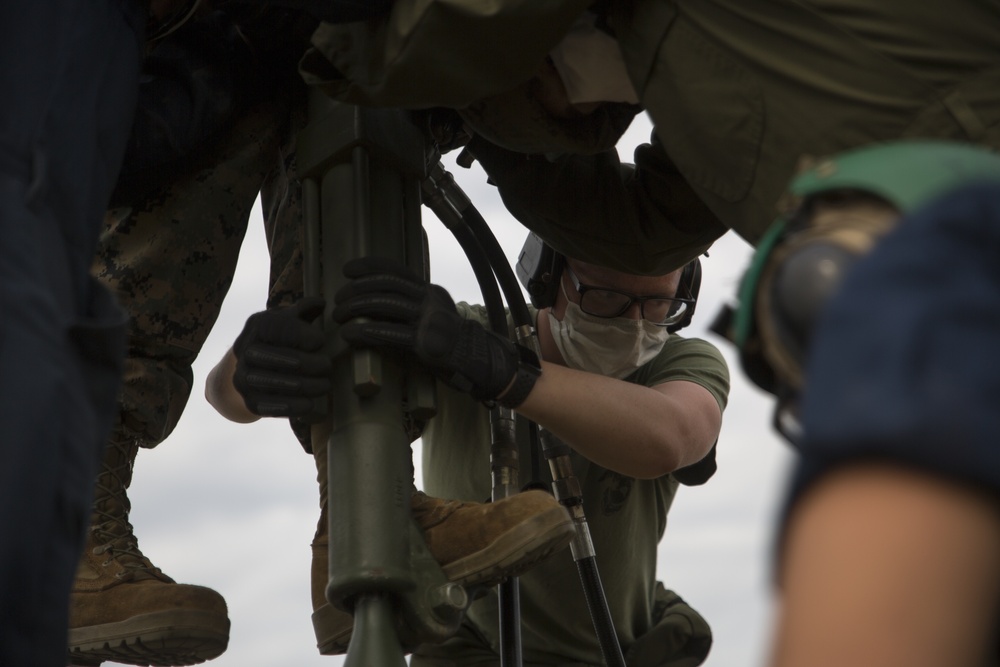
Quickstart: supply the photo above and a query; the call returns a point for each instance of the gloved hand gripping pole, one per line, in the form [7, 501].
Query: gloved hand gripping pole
[361, 171]
[566, 486]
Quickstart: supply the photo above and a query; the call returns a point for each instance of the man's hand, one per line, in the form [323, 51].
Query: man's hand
[280, 366]
[419, 319]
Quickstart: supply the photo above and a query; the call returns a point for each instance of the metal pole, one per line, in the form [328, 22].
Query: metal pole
[361, 170]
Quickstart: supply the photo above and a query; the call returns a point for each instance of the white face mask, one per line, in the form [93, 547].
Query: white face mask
[610, 346]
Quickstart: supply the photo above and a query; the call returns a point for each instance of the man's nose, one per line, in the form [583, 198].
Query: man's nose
[634, 311]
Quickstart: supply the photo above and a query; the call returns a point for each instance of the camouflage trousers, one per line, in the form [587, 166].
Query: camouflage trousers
[171, 256]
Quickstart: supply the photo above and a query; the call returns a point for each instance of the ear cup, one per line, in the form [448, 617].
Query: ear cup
[539, 268]
[550, 280]
[690, 284]
[688, 288]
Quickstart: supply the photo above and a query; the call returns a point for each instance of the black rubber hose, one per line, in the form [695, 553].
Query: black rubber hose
[600, 614]
[478, 258]
[495, 254]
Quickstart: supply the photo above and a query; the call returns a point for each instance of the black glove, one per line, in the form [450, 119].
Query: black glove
[280, 367]
[418, 318]
[679, 637]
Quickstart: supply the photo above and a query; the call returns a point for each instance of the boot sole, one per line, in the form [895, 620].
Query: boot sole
[526, 544]
[516, 551]
[161, 639]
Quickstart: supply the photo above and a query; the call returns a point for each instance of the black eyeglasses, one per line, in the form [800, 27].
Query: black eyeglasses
[662, 311]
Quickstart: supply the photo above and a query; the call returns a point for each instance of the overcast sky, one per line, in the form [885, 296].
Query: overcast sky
[234, 507]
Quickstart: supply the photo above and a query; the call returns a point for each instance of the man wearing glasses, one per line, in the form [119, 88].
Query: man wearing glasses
[639, 407]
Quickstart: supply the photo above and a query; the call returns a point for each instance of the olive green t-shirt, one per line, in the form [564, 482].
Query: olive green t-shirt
[627, 519]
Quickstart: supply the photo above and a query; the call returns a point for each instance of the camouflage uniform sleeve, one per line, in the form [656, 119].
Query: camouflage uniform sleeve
[639, 218]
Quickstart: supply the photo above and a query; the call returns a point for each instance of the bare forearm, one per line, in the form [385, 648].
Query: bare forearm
[631, 429]
[889, 568]
[222, 395]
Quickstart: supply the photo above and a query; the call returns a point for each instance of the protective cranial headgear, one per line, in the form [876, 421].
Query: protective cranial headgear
[836, 211]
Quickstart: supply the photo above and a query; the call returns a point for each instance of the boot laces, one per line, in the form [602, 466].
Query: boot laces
[111, 529]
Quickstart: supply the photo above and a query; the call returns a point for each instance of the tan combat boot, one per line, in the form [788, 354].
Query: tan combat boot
[475, 543]
[123, 608]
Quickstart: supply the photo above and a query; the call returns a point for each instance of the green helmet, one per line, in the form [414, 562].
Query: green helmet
[881, 181]
[906, 174]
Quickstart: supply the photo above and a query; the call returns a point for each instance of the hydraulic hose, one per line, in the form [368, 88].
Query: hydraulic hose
[478, 258]
[494, 253]
[604, 626]
[567, 490]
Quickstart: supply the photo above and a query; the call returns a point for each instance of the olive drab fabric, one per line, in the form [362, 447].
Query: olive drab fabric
[428, 53]
[516, 119]
[480, 58]
[622, 225]
[740, 93]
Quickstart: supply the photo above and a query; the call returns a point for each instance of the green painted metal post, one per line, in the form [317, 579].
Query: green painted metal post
[361, 171]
